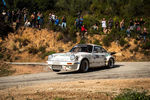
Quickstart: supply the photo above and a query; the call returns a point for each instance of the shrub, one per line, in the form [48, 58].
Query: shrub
[59, 98]
[129, 94]
[46, 54]
[1, 56]
[122, 42]
[115, 35]
[82, 41]
[42, 49]
[97, 42]
[60, 37]
[107, 41]
[5, 69]
[33, 50]
[146, 45]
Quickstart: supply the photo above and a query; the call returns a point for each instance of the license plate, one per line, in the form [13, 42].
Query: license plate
[57, 67]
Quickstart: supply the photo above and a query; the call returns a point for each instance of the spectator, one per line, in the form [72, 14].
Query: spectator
[13, 16]
[50, 17]
[17, 24]
[104, 24]
[33, 20]
[25, 17]
[53, 18]
[110, 23]
[4, 15]
[57, 21]
[138, 28]
[38, 19]
[95, 27]
[77, 22]
[131, 25]
[122, 26]
[83, 31]
[41, 21]
[142, 22]
[9, 16]
[64, 22]
[145, 33]
[136, 23]
[128, 31]
[81, 21]
[117, 24]
[27, 23]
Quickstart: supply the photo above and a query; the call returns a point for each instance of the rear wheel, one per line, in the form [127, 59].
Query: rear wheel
[84, 66]
[110, 63]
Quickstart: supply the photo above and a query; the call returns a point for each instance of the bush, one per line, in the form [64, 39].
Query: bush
[60, 37]
[146, 45]
[33, 50]
[1, 56]
[42, 49]
[115, 35]
[5, 69]
[129, 94]
[122, 42]
[97, 42]
[46, 54]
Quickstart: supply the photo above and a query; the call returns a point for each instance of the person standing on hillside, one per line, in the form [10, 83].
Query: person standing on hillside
[122, 25]
[142, 22]
[83, 31]
[110, 23]
[81, 21]
[104, 24]
[33, 20]
[131, 25]
[145, 33]
[56, 21]
[77, 22]
[64, 24]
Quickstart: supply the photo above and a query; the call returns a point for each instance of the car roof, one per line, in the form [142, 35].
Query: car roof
[85, 45]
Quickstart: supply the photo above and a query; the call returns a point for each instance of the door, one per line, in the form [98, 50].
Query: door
[98, 56]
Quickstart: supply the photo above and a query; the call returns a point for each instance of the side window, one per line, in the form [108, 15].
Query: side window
[97, 49]
[103, 50]
[89, 48]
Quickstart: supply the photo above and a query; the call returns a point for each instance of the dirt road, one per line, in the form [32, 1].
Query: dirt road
[122, 70]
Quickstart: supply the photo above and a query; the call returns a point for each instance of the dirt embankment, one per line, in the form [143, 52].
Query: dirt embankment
[77, 90]
[30, 44]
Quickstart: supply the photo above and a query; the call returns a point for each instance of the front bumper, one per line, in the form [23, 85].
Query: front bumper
[63, 66]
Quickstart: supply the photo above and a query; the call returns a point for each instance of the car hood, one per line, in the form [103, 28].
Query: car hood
[66, 56]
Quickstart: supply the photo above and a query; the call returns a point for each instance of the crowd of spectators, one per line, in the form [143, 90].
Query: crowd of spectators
[36, 20]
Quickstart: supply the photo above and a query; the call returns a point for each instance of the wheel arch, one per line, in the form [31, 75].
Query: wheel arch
[85, 59]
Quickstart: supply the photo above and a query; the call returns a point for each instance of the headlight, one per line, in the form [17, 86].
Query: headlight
[50, 57]
[72, 57]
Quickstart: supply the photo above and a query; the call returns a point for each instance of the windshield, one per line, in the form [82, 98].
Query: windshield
[85, 48]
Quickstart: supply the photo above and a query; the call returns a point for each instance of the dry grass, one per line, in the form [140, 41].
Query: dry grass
[76, 90]
[33, 39]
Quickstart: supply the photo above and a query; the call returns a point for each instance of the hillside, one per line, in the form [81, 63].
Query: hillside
[31, 45]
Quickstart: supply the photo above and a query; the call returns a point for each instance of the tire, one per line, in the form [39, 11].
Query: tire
[56, 70]
[110, 63]
[84, 66]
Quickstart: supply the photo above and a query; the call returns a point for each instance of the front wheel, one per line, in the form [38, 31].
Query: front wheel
[55, 70]
[84, 66]
[110, 63]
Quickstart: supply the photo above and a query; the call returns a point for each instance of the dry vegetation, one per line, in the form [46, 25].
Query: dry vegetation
[30, 44]
[77, 90]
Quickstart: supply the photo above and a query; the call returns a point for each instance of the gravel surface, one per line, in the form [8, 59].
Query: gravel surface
[122, 70]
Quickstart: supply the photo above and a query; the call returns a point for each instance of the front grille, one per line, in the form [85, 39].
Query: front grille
[58, 67]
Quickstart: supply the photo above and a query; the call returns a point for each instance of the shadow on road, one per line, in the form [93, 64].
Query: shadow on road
[90, 70]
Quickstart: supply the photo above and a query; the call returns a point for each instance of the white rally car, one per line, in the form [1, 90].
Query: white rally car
[80, 58]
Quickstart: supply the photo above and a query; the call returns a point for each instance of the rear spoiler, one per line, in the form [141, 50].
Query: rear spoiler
[112, 53]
